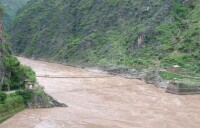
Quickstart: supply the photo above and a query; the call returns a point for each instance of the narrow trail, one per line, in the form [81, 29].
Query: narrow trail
[97, 100]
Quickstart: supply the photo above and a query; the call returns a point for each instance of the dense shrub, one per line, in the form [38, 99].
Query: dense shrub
[26, 94]
[16, 73]
[2, 97]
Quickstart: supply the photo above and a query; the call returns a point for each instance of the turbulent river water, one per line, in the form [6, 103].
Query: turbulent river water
[97, 100]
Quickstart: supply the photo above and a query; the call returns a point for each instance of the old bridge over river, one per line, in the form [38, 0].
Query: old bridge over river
[96, 100]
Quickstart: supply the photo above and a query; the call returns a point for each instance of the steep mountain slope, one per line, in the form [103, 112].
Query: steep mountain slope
[12, 73]
[11, 7]
[133, 33]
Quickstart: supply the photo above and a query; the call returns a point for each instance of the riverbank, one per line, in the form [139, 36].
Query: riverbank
[30, 99]
[147, 75]
[161, 78]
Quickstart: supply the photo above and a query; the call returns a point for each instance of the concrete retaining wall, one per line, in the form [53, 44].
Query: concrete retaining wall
[182, 89]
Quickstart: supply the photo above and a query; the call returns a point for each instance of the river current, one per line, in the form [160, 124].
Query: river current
[97, 100]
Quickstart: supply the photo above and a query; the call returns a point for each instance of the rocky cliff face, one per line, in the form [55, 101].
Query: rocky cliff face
[132, 33]
[1, 51]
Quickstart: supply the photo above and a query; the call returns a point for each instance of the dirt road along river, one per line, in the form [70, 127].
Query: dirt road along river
[96, 101]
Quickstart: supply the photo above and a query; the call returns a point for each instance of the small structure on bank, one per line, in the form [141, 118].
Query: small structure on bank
[174, 68]
[140, 39]
[29, 85]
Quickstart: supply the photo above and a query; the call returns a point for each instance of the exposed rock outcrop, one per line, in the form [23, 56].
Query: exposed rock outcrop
[45, 101]
[39, 99]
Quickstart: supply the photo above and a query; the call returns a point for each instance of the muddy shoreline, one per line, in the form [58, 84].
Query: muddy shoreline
[150, 76]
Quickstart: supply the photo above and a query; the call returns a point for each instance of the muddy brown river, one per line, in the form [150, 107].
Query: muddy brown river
[97, 101]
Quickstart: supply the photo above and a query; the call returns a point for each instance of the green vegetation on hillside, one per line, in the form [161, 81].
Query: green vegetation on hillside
[12, 76]
[136, 34]
[13, 95]
[16, 75]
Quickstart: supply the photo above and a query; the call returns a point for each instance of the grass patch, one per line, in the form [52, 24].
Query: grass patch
[12, 105]
[179, 78]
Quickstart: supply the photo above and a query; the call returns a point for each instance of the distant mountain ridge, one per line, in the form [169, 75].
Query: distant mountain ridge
[11, 7]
